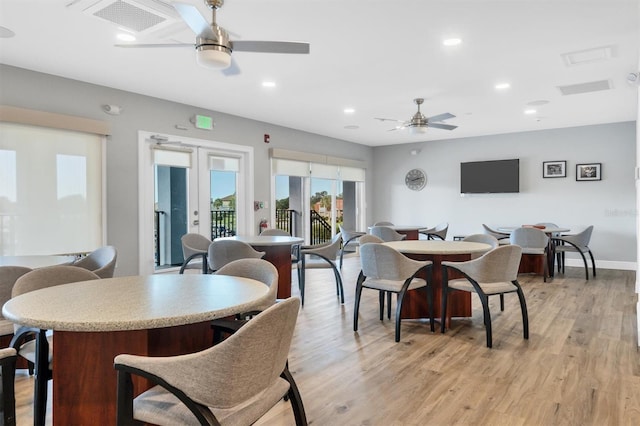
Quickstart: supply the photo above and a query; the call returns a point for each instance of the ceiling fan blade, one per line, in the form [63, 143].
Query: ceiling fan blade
[388, 119]
[192, 17]
[441, 126]
[270, 46]
[232, 70]
[156, 45]
[441, 117]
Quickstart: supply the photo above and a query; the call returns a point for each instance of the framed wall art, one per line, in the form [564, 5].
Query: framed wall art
[554, 169]
[591, 171]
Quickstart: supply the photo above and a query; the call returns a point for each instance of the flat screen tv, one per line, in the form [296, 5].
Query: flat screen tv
[487, 177]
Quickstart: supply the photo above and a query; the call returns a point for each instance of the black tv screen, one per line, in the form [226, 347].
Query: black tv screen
[486, 177]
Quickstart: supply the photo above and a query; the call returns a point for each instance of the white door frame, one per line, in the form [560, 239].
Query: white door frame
[146, 190]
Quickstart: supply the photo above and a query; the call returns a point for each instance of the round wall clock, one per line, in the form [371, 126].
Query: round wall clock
[416, 179]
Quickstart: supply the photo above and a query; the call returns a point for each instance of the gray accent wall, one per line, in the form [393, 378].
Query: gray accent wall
[608, 204]
[28, 89]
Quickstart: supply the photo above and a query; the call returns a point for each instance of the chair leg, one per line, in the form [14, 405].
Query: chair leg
[8, 407]
[389, 294]
[303, 273]
[400, 297]
[586, 265]
[501, 302]
[545, 268]
[295, 399]
[445, 296]
[525, 315]
[356, 307]
[42, 377]
[430, 302]
[487, 319]
[381, 303]
[338, 282]
[593, 263]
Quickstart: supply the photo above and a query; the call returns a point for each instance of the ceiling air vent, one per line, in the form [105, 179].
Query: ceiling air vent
[139, 16]
[596, 54]
[592, 86]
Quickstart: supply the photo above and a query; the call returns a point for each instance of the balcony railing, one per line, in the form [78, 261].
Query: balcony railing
[320, 229]
[284, 220]
[223, 223]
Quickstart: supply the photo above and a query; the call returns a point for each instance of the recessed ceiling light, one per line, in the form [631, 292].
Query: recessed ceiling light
[502, 86]
[451, 42]
[126, 37]
[268, 84]
[352, 127]
[530, 111]
[349, 110]
[538, 102]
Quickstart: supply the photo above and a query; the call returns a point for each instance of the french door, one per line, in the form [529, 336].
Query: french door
[190, 186]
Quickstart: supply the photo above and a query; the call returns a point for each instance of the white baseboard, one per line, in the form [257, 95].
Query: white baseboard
[604, 264]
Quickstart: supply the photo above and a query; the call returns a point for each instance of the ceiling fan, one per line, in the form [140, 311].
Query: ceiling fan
[213, 47]
[419, 123]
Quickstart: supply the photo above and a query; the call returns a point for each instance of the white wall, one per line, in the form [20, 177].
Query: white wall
[28, 89]
[608, 204]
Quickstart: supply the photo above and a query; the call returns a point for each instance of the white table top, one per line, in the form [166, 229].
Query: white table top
[438, 247]
[35, 261]
[136, 302]
[402, 227]
[265, 240]
[546, 230]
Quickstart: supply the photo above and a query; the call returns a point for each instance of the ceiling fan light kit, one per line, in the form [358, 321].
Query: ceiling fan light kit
[213, 57]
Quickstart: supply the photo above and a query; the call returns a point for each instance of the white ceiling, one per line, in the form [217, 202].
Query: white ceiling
[374, 56]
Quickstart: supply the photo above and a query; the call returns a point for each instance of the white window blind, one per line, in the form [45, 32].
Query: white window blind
[224, 164]
[324, 171]
[171, 157]
[50, 190]
[351, 174]
[289, 167]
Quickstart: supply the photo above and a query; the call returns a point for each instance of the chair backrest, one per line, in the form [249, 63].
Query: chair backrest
[441, 230]
[222, 252]
[8, 276]
[386, 234]
[497, 234]
[498, 265]
[101, 262]
[256, 269]
[383, 262]
[193, 243]
[348, 234]
[368, 238]
[580, 239]
[529, 238]
[243, 365]
[482, 238]
[48, 277]
[275, 232]
[383, 223]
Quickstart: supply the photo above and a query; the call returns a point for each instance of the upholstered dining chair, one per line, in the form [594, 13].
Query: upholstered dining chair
[534, 244]
[235, 382]
[437, 232]
[256, 269]
[321, 256]
[387, 270]
[386, 233]
[576, 243]
[221, 252]
[495, 273]
[482, 238]
[194, 247]
[35, 345]
[383, 223]
[101, 261]
[8, 277]
[502, 237]
[7, 392]
[368, 238]
[347, 237]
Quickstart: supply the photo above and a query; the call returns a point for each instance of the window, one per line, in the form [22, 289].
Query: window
[51, 190]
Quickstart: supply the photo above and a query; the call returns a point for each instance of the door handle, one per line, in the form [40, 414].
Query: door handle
[196, 222]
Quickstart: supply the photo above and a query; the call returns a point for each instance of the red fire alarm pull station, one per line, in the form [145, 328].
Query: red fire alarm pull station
[266, 138]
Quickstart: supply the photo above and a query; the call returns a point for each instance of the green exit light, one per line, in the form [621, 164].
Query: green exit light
[204, 122]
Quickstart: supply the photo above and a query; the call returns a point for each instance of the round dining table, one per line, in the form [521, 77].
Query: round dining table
[415, 302]
[277, 251]
[93, 321]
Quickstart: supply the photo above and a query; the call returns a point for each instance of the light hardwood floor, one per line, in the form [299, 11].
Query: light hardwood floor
[581, 365]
